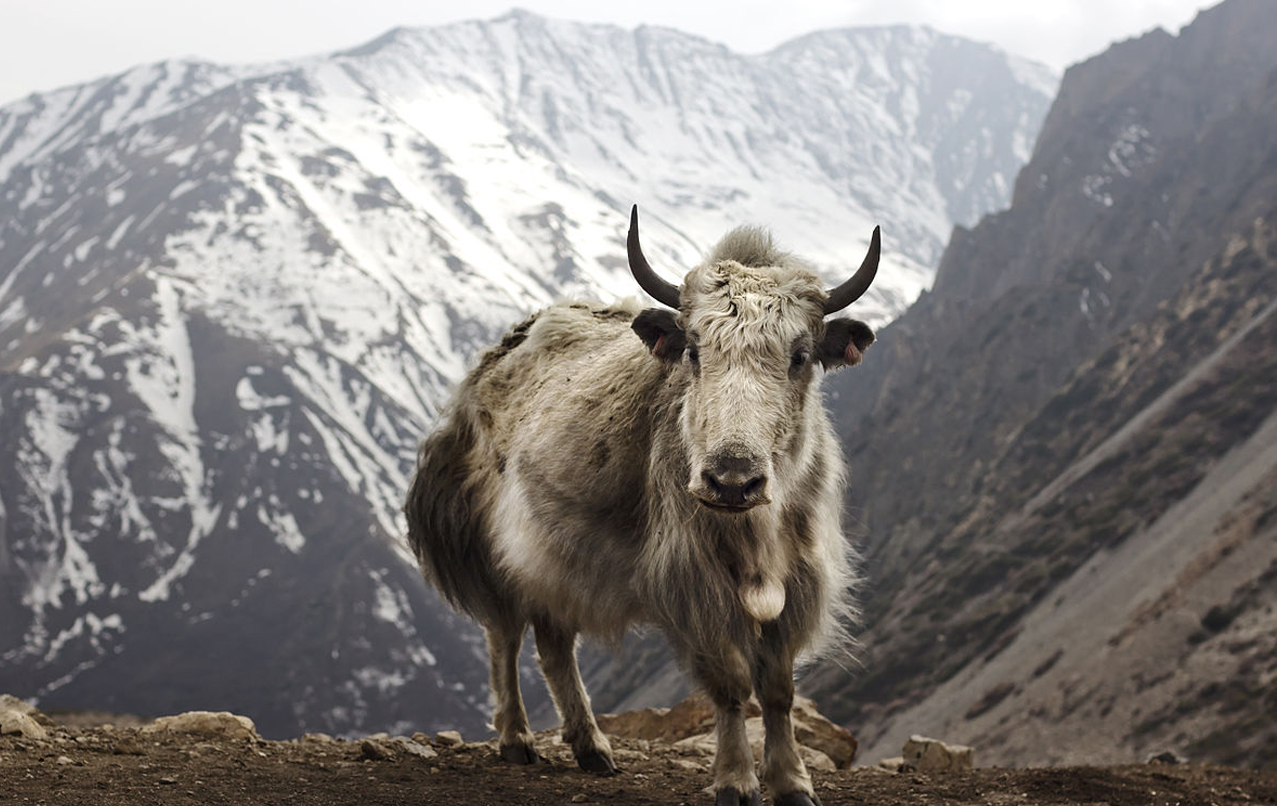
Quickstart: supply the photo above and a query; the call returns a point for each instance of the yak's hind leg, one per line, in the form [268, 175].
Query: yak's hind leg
[508, 715]
[783, 769]
[556, 649]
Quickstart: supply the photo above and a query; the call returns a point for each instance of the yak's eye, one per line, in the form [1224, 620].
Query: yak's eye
[800, 359]
[693, 355]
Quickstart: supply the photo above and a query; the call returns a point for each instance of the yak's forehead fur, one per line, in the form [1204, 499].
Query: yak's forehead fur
[750, 296]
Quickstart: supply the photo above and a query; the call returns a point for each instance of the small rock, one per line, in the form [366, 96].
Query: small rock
[813, 730]
[318, 738]
[420, 738]
[414, 748]
[220, 724]
[127, 746]
[891, 764]
[816, 760]
[1166, 757]
[65, 760]
[14, 721]
[580, 797]
[932, 755]
[8, 702]
[168, 780]
[624, 754]
[702, 745]
[374, 750]
[448, 738]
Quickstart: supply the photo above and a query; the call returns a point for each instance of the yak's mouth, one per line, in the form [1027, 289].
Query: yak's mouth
[719, 507]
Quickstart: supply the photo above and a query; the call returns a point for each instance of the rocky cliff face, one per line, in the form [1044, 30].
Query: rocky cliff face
[233, 299]
[1062, 452]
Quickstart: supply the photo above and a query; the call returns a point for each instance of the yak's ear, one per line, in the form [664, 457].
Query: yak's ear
[845, 340]
[659, 330]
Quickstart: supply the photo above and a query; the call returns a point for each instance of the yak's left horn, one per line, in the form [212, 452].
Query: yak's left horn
[850, 291]
[664, 292]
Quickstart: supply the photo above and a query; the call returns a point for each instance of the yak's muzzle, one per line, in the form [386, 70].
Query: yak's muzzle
[732, 482]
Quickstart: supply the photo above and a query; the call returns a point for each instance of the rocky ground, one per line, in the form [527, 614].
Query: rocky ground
[218, 758]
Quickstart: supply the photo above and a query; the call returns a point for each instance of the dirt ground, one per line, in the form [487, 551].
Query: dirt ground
[86, 764]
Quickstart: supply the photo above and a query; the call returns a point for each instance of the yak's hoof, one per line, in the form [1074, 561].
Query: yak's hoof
[596, 762]
[519, 753]
[731, 796]
[798, 798]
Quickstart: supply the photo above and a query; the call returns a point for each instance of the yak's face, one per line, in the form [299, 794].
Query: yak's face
[747, 341]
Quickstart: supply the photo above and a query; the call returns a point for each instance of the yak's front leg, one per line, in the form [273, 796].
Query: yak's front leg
[726, 680]
[508, 715]
[783, 769]
[556, 649]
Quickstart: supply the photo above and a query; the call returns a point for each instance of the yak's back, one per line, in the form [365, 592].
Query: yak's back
[448, 500]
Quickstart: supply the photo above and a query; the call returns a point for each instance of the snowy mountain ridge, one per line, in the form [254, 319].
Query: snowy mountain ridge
[233, 299]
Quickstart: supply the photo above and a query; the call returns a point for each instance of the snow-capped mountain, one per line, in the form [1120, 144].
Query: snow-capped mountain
[232, 300]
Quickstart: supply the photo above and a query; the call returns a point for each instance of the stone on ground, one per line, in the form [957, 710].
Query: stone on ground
[932, 755]
[19, 718]
[214, 724]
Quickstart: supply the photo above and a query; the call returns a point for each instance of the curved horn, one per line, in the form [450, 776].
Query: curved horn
[664, 292]
[850, 291]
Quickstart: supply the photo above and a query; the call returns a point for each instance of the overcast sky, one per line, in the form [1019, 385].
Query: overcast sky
[50, 43]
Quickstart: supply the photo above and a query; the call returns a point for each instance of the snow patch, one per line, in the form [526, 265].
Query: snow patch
[282, 525]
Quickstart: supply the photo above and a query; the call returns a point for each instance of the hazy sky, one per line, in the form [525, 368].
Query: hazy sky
[50, 43]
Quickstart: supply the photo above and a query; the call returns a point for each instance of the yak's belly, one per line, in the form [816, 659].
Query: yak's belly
[569, 555]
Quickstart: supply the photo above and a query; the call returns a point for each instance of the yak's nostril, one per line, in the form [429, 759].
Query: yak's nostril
[732, 489]
[711, 482]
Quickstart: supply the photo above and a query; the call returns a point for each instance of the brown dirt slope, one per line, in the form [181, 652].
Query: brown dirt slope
[77, 763]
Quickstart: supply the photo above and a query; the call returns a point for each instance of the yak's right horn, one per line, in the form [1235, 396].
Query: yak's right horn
[664, 292]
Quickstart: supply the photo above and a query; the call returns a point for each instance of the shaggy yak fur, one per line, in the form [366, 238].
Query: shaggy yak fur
[609, 465]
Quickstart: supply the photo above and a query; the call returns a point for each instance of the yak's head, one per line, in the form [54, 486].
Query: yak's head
[748, 328]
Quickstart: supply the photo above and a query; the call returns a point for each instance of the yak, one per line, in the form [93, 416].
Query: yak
[607, 466]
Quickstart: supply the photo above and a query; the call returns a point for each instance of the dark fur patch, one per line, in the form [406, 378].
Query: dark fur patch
[611, 314]
[446, 528]
[509, 341]
[600, 455]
